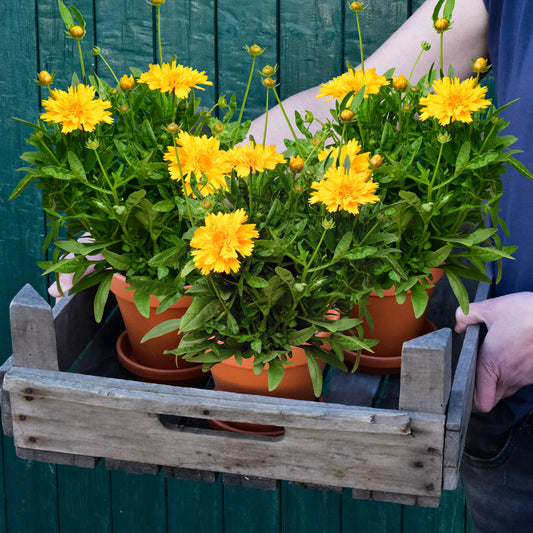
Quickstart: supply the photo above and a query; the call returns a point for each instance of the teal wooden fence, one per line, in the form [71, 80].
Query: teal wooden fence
[311, 42]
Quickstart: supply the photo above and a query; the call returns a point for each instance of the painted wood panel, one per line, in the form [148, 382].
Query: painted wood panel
[311, 42]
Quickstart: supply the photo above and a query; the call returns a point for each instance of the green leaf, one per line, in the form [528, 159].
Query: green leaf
[285, 276]
[59, 173]
[459, 290]
[164, 206]
[100, 298]
[298, 337]
[199, 312]
[419, 298]
[327, 356]
[142, 302]
[117, 261]
[22, 184]
[65, 15]
[275, 373]
[343, 245]
[168, 326]
[315, 372]
[79, 17]
[437, 257]
[255, 281]
[519, 167]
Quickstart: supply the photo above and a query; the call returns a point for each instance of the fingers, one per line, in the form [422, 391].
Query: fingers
[475, 316]
[486, 394]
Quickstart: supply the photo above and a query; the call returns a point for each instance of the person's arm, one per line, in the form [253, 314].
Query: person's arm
[466, 40]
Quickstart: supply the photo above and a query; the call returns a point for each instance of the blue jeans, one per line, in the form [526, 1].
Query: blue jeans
[497, 475]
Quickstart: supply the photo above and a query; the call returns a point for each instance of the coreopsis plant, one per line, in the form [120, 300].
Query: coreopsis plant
[438, 154]
[125, 164]
[280, 256]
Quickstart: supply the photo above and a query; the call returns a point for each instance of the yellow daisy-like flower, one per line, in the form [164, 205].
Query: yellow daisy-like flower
[201, 156]
[174, 78]
[352, 80]
[344, 190]
[218, 243]
[352, 149]
[77, 109]
[254, 158]
[453, 101]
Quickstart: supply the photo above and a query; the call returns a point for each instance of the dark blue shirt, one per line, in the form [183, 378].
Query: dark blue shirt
[511, 56]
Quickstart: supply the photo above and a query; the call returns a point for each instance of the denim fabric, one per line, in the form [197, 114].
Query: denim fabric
[497, 475]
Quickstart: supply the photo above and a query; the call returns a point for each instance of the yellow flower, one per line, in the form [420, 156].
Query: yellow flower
[127, 83]
[353, 80]
[174, 78]
[254, 158]
[76, 109]
[201, 156]
[218, 243]
[358, 161]
[453, 100]
[342, 189]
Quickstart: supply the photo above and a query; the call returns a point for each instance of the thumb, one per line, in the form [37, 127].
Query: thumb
[476, 315]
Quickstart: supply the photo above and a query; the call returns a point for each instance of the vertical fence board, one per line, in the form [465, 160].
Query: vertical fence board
[84, 499]
[188, 31]
[195, 506]
[310, 510]
[310, 44]
[249, 509]
[241, 25]
[139, 503]
[366, 516]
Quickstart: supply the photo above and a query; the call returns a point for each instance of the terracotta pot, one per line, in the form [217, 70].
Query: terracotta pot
[147, 360]
[296, 384]
[394, 324]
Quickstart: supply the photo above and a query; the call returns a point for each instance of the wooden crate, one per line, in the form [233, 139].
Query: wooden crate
[66, 400]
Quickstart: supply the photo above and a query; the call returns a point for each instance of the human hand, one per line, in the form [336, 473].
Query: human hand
[505, 359]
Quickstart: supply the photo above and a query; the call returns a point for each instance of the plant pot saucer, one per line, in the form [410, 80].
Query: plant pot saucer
[248, 429]
[174, 376]
[382, 364]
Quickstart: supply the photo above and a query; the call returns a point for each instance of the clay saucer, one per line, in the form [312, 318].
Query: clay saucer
[174, 376]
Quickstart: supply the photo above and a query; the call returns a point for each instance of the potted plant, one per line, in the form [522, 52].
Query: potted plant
[122, 182]
[437, 152]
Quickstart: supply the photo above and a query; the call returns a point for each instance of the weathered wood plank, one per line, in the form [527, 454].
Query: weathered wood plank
[57, 458]
[189, 474]
[131, 467]
[461, 399]
[426, 372]
[5, 403]
[338, 452]
[254, 482]
[200, 403]
[32, 331]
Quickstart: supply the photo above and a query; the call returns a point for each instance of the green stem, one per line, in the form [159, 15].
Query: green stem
[113, 191]
[414, 66]
[159, 34]
[244, 100]
[308, 265]
[266, 118]
[81, 62]
[220, 299]
[441, 55]
[185, 196]
[108, 66]
[360, 42]
[288, 122]
[430, 188]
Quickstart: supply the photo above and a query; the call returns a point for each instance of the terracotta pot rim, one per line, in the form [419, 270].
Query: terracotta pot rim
[122, 289]
[437, 274]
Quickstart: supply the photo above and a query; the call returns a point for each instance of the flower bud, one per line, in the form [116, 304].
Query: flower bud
[328, 224]
[406, 107]
[206, 203]
[124, 108]
[296, 164]
[172, 127]
[269, 83]
[268, 70]
[255, 50]
[316, 140]
[37, 135]
[441, 24]
[308, 116]
[95, 51]
[298, 188]
[425, 46]
[376, 161]
[480, 64]
[399, 83]
[113, 91]
[356, 6]
[45, 78]
[222, 103]
[158, 2]
[218, 127]
[444, 137]
[93, 144]
[309, 172]
[127, 83]
[77, 32]
[346, 115]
